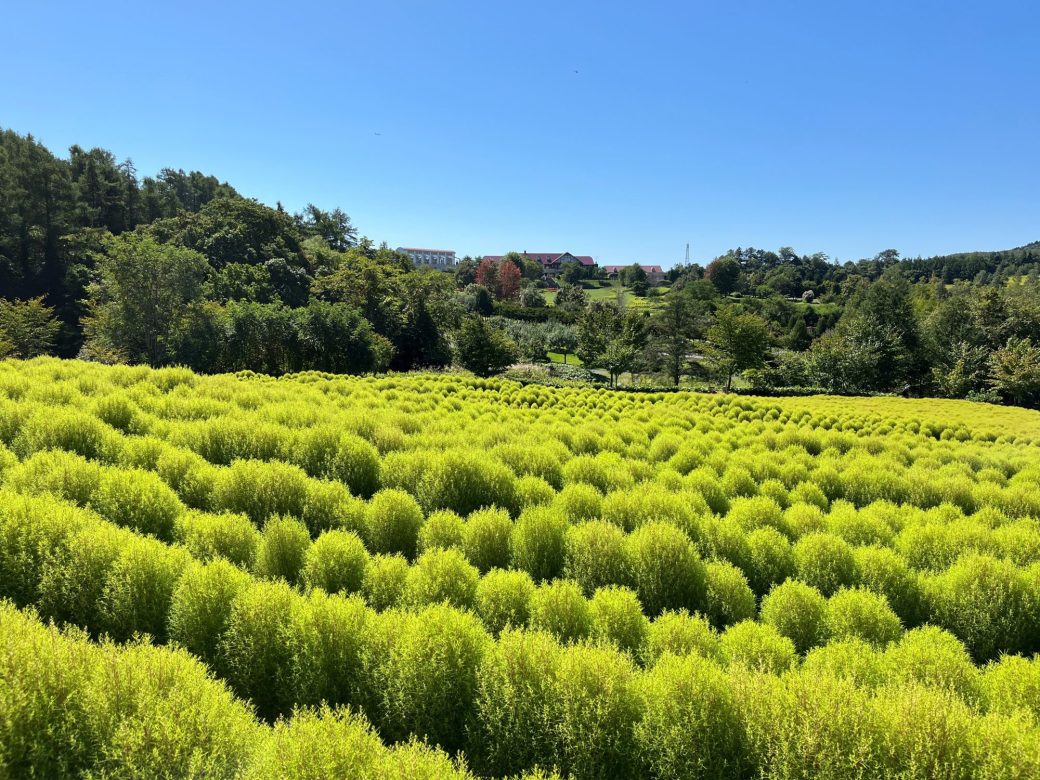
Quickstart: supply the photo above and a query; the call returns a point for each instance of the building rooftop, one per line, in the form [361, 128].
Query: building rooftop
[547, 258]
[419, 249]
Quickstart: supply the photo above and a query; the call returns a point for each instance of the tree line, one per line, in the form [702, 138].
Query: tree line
[180, 268]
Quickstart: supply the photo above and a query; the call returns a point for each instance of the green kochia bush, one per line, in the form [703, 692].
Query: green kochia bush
[139, 588]
[665, 569]
[560, 608]
[201, 605]
[424, 672]
[825, 562]
[989, 605]
[228, 535]
[75, 708]
[486, 538]
[67, 429]
[680, 633]
[385, 580]
[798, 612]
[617, 618]
[690, 724]
[336, 563]
[594, 706]
[392, 522]
[503, 599]
[63, 474]
[538, 542]
[595, 555]
[283, 549]
[255, 648]
[261, 489]
[442, 576]
[442, 529]
[757, 647]
[464, 482]
[862, 614]
[511, 731]
[730, 599]
[139, 500]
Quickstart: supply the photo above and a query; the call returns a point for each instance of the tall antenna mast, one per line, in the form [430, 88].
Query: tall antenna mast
[687, 253]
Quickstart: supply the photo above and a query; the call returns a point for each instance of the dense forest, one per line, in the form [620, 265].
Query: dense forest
[99, 262]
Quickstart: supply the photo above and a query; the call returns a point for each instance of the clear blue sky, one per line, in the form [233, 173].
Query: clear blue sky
[621, 130]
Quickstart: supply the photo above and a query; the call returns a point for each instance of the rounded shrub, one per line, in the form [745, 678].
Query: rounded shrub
[464, 482]
[201, 606]
[503, 599]
[63, 474]
[329, 505]
[139, 588]
[771, 561]
[858, 613]
[67, 429]
[392, 522]
[933, 657]
[442, 576]
[328, 642]
[486, 538]
[533, 491]
[1013, 683]
[261, 489]
[511, 731]
[442, 529]
[988, 604]
[356, 465]
[690, 724]
[594, 705]
[757, 646]
[139, 500]
[189, 475]
[385, 580]
[538, 542]
[427, 681]
[755, 512]
[208, 536]
[578, 502]
[803, 519]
[617, 618]
[726, 541]
[680, 633]
[336, 563]
[255, 650]
[283, 549]
[665, 569]
[825, 562]
[561, 609]
[337, 743]
[595, 555]
[798, 612]
[884, 571]
[729, 597]
[847, 659]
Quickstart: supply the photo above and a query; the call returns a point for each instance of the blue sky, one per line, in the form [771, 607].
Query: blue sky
[620, 130]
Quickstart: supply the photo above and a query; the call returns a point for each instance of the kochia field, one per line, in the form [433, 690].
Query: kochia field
[431, 575]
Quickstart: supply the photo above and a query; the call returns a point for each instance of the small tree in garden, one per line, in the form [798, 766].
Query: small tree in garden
[483, 349]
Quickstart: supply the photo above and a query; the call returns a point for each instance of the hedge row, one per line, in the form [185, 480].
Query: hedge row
[73, 707]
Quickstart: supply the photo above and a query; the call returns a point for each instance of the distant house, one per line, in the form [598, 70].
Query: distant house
[552, 262]
[442, 259]
[654, 273]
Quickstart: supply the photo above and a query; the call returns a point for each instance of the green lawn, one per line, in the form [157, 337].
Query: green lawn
[609, 292]
[557, 357]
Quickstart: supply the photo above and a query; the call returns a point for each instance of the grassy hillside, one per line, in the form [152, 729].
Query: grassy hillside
[612, 584]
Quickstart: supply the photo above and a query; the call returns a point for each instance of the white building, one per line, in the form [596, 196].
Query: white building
[442, 259]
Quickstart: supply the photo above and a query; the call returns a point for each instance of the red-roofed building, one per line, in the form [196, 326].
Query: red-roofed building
[654, 273]
[552, 262]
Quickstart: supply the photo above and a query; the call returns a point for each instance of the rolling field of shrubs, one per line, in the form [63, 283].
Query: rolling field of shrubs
[433, 575]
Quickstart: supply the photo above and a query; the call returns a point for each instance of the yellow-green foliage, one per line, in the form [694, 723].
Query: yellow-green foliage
[644, 585]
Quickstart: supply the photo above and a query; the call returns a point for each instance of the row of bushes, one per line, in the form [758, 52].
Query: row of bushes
[989, 607]
[73, 707]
